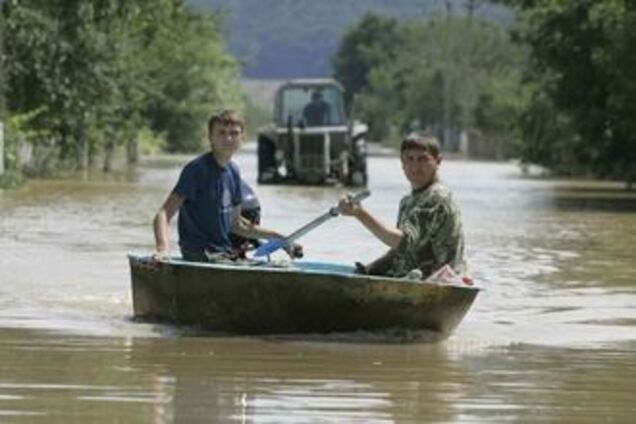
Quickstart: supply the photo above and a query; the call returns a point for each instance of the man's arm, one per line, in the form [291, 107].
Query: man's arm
[247, 229]
[387, 235]
[161, 221]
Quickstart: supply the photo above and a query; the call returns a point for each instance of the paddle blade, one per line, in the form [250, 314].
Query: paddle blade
[269, 247]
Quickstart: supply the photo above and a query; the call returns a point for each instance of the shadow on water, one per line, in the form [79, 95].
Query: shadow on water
[388, 336]
[594, 199]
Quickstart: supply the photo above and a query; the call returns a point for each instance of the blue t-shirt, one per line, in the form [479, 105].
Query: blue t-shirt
[210, 193]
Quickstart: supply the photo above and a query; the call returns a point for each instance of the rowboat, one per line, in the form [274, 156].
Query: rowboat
[301, 297]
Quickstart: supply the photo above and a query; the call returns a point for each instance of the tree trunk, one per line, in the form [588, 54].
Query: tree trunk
[2, 75]
[132, 151]
[109, 153]
[92, 153]
[1, 148]
[466, 84]
[471, 7]
[446, 101]
[82, 147]
[2, 85]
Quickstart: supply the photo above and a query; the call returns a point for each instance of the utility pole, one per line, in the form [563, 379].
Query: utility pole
[1, 148]
[466, 84]
[446, 93]
[471, 7]
[2, 88]
[3, 82]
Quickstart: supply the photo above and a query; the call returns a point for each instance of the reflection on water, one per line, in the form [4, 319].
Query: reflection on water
[597, 197]
[186, 379]
[551, 335]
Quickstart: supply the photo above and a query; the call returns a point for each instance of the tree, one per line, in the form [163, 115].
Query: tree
[583, 58]
[439, 83]
[100, 72]
[194, 76]
[2, 76]
[373, 41]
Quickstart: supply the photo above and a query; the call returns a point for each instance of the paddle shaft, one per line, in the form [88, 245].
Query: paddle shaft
[331, 213]
[273, 245]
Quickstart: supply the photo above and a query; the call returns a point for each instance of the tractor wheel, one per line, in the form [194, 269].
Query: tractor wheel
[358, 172]
[266, 160]
[358, 178]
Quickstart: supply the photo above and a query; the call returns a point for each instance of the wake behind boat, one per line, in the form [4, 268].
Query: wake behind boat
[302, 297]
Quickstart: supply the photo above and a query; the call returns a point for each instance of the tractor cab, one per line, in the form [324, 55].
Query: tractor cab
[311, 139]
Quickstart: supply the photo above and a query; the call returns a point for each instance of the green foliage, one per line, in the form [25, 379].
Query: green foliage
[2, 72]
[456, 71]
[256, 117]
[372, 42]
[196, 78]
[584, 56]
[543, 121]
[20, 132]
[101, 70]
[379, 104]
[150, 142]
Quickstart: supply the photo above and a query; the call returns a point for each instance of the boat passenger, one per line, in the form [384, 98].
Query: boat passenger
[208, 197]
[429, 232]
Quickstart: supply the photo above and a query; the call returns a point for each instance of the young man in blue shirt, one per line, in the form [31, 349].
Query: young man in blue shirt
[208, 197]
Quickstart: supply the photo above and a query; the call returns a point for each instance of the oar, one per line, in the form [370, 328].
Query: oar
[275, 244]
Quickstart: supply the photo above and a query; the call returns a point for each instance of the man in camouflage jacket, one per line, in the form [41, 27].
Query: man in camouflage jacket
[429, 230]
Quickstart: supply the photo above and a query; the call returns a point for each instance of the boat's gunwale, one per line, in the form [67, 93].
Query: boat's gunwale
[174, 261]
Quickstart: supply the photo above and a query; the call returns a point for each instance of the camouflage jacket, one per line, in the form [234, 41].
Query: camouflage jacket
[432, 233]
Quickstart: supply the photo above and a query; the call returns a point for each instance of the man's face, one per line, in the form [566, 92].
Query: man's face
[225, 139]
[419, 167]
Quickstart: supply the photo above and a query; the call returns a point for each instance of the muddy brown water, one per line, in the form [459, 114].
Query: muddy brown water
[552, 338]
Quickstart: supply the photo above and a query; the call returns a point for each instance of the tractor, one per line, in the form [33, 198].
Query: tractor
[311, 140]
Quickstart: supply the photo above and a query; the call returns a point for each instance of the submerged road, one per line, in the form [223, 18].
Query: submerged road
[551, 338]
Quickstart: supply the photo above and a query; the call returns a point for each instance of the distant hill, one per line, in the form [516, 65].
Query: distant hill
[279, 39]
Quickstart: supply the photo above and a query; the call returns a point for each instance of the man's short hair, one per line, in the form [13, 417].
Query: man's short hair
[428, 143]
[225, 117]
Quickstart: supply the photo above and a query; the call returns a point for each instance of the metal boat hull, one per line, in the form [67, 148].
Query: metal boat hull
[308, 297]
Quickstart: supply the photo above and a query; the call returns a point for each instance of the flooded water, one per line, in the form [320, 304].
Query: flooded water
[552, 338]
